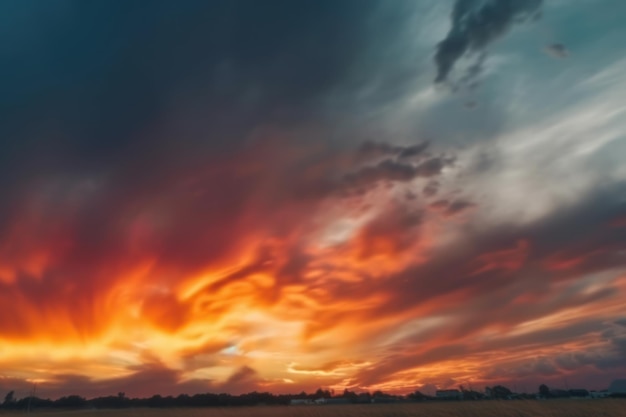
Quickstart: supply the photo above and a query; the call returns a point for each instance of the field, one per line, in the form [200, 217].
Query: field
[554, 408]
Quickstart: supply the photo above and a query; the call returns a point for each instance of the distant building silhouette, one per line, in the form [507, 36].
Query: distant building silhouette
[298, 401]
[599, 394]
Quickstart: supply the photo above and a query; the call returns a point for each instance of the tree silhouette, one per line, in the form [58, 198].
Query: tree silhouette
[417, 396]
[349, 395]
[320, 393]
[71, 401]
[500, 391]
[9, 398]
[544, 391]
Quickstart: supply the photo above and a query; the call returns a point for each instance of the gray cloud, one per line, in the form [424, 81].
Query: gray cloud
[557, 50]
[377, 162]
[472, 74]
[393, 170]
[475, 24]
[616, 336]
[433, 166]
[451, 208]
[431, 189]
[414, 150]
[371, 150]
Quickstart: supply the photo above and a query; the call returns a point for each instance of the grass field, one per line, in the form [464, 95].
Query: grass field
[554, 408]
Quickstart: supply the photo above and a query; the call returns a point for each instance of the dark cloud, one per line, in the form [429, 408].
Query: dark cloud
[557, 50]
[616, 337]
[399, 169]
[152, 378]
[541, 367]
[475, 24]
[431, 189]
[451, 208]
[370, 150]
[145, 380]
[571, 361]
[414, 150]
[472, 74]
[386, 170]
[92, 88]
[400, 172]
[245, 379]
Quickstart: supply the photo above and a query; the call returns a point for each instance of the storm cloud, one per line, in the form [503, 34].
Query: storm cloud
[474, 25]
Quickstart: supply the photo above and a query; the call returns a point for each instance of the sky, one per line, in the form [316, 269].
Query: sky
[230, 196]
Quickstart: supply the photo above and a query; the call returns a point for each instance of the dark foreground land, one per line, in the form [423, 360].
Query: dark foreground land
[549, 408]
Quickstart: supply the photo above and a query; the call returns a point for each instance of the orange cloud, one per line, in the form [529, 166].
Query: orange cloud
[242, 275]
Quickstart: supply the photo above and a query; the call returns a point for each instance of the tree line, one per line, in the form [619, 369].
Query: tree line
[184, 400]
[257, 398]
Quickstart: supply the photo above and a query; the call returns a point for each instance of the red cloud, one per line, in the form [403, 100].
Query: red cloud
[505, 259]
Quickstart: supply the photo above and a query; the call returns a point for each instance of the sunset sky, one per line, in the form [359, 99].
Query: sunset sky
[229, 196]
